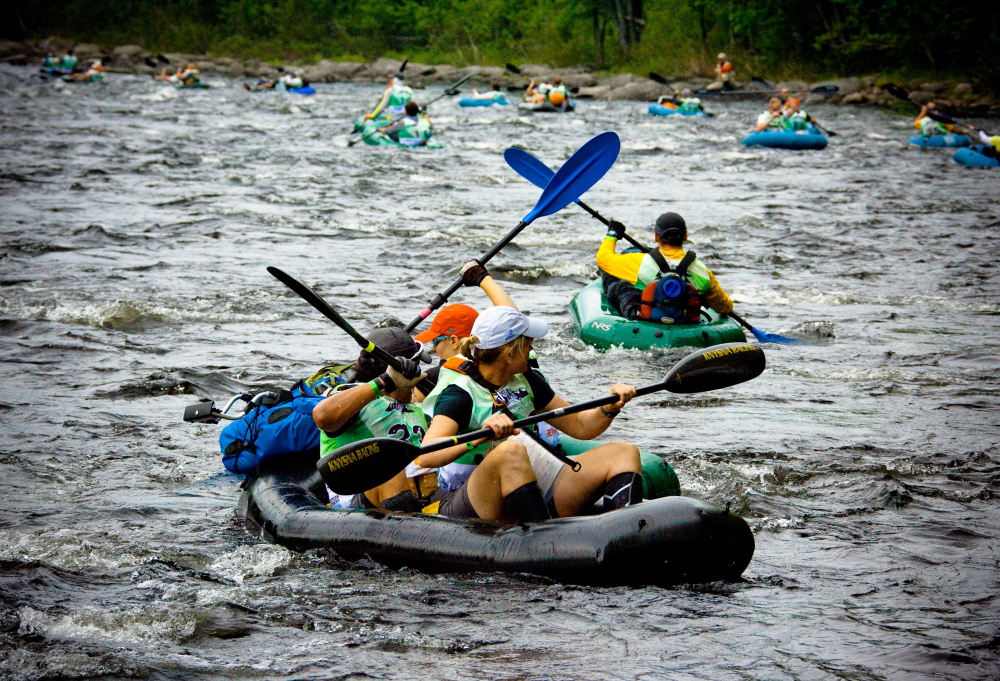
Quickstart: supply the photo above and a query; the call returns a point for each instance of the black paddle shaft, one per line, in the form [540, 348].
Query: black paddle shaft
[607, 222]
[545, 416]
[441, 298]
[314, 299]
[574, 465]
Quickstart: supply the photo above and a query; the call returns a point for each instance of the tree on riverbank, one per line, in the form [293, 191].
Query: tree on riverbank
[781, 37]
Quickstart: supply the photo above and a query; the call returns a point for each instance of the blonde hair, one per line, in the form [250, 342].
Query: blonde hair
[467, 347]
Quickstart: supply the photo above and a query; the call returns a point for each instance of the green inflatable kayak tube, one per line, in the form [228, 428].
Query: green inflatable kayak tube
[598, 324]
[658, 477]
[371, 136]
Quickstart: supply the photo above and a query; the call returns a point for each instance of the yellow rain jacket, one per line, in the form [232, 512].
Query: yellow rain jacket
[627, 266]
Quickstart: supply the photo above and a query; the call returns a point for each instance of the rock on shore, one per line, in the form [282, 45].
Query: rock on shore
[961, 98]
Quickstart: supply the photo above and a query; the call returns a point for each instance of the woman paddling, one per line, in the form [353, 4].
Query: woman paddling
[514, 477]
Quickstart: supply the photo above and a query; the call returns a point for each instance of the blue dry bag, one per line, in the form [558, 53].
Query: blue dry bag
[274, 426]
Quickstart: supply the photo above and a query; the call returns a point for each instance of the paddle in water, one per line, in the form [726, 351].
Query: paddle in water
[314, 299]
[539, 174]
[581, 172]
[450, 92]
[366, 464]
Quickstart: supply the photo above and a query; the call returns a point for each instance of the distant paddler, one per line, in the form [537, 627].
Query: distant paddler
[394, 99]
[929, 127]
[687, 104]
[772, 117]
[495, 93]
[724, 74]
[413, 129]
[94, 74]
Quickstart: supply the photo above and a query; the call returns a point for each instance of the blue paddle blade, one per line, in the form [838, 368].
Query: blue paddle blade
[765, 337]
[529, 167]
[581, 172]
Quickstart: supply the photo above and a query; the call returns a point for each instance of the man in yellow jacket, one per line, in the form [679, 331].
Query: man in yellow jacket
[627, 275]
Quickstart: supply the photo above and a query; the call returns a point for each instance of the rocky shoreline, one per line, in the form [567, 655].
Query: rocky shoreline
[961, 98]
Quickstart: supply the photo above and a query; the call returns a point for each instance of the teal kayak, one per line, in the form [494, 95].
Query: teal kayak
[369, 131]
[598, 324]
[974, 157]
[658, 477]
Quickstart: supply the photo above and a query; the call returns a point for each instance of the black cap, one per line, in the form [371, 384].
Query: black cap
[670, 222]
[398, 343]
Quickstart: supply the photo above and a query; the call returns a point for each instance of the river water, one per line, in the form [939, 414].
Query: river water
[136, 224]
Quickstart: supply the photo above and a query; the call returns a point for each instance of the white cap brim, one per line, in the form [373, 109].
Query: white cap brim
[536, 327]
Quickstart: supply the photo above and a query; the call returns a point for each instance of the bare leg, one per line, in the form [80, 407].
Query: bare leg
[573, 492]
[388, 490]
[504, 470]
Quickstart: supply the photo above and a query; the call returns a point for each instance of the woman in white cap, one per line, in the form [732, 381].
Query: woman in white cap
[506, 477]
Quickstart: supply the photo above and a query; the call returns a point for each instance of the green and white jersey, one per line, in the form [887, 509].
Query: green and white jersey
[382, 417]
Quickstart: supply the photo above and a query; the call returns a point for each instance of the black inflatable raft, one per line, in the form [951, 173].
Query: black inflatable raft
[664, 541]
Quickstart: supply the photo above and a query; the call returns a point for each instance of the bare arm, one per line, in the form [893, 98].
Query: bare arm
[586, 425]
[335, 411]
[444, 428]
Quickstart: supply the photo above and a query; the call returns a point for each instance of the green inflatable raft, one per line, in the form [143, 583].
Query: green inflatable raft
[658, 476]
[370, 135]
[598, 324]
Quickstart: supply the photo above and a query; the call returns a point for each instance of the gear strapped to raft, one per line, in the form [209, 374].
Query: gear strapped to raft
[671, 299]
[274, 423]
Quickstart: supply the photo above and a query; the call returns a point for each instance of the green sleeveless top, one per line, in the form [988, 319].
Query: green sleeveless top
[382, 417]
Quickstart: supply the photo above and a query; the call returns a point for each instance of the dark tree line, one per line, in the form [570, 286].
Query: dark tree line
[836, 36]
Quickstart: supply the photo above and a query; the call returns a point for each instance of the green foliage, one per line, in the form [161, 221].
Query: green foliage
[677, 37]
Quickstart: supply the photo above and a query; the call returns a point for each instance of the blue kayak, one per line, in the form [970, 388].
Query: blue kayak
[975, 158]
[469, 101]
[940, 141]
[660, 110]
[304, 90]
[786, 139]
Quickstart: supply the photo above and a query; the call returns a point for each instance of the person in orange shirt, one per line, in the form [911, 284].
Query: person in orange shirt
[629, 278]
[724, 74]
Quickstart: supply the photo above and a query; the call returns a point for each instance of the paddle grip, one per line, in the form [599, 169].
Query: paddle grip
[532, 420]
[442, 298]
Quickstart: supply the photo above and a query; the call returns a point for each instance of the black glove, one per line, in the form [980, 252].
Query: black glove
[473, 273]
[616, 229]
[407, 378]
[410, 368]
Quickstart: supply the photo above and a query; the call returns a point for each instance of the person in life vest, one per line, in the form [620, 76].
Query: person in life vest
[724, 74]
[689, 104]
[772, 117]
[494, 93]
[794, 118]
[413, 129]
[929, 127]
[94, 74]
[394, 99]
[511, 476]
[638, 284]
[378, 403]
[534, 93]
[69, 61]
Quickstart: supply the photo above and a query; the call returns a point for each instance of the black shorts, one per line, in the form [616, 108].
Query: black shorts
[455, 504]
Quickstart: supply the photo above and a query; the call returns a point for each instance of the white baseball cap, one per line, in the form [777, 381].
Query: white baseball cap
[500, 325]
